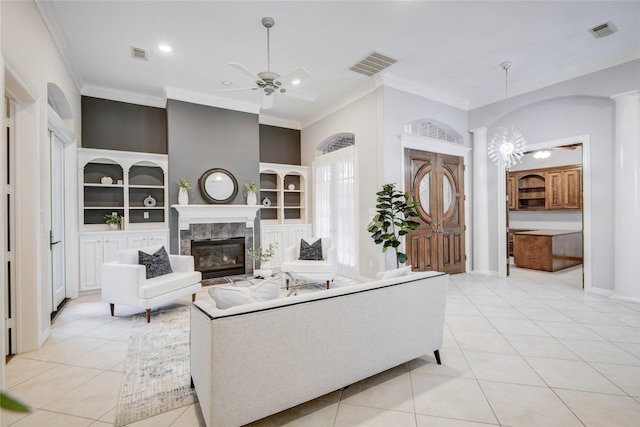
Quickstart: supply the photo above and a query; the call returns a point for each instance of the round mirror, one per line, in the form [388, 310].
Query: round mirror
[218, 186]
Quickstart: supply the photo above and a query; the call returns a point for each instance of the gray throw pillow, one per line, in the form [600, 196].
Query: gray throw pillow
[156, 264]
[311, 252]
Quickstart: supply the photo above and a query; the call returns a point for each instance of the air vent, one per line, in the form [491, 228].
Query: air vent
[372, 64]
[604, 30]
[140, 53]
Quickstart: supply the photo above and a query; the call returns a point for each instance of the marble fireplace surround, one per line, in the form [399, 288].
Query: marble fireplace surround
[199, 222]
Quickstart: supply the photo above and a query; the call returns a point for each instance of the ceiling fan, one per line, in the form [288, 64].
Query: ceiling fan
[271, 82]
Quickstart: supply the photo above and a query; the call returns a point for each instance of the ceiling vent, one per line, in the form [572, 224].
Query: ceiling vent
[604, 30]
[372, 64]
[140, 53]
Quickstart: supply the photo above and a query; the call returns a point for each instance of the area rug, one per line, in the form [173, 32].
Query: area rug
[156, 375]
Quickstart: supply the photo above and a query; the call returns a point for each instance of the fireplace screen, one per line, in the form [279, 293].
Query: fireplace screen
[218, 257]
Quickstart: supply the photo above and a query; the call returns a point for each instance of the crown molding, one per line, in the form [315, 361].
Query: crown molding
[211, 100]
[350, 98]
[49, 18]
[123, 96]
[421, 90]
[279, 122]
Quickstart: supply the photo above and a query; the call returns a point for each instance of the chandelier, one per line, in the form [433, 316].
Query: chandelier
[507, 146]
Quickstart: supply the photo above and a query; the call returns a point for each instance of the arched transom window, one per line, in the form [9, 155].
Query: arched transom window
[336, 142]
[434, 130]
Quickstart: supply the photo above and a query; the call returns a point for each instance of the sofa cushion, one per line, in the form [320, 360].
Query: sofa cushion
[156, 264]
[130, 256]
[168, 283]
[311, 251]
[396, 272]
[230, 296]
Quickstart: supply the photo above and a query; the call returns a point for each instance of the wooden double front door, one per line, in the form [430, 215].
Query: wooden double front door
[437, 182]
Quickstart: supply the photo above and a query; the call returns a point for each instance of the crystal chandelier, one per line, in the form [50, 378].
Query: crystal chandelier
[506, 147]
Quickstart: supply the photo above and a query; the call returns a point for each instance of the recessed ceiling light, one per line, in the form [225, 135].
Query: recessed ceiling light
[295, 82]
[542, 154]
[226, 83]
[165, 48]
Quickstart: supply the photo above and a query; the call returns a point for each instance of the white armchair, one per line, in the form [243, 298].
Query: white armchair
[322, 270]
[125, 281]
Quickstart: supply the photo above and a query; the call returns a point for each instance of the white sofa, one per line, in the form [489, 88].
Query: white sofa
[124, 281]
[254, 360]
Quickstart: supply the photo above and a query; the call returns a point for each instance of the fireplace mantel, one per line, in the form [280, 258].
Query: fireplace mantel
[211, 214]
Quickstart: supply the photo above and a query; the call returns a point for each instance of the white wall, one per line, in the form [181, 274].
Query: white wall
[361, 119]
[32, 58]
[402, 107]
[378, 120]
[577, 107]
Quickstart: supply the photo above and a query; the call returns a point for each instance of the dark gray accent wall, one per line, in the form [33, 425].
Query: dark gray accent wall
[114, 125]
[202, 137]
[279, 145]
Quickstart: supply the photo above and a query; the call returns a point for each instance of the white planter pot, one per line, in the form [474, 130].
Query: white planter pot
[252, 199]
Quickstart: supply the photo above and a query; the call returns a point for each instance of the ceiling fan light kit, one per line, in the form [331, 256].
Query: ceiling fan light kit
[506, 148]
[271, 82]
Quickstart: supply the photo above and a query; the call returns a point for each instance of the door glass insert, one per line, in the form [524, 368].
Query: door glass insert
[423, 192]
[447, 193]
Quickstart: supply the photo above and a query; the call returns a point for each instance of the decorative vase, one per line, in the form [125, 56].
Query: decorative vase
[292, 187]
[252, 199]
[106, 180]
[114, 226]
[183, 196]
[266, 202]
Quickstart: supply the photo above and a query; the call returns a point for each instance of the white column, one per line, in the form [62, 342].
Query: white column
[627, 197]
[480, 202]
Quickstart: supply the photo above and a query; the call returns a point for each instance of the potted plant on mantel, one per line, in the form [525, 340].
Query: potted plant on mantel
[250, 193]
[264, 256]
[113, 220]
[393, 219]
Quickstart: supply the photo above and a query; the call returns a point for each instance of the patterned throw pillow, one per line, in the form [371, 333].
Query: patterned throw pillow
[157, 264]
[311, 252]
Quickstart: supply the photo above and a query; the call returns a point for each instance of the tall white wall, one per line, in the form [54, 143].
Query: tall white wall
[577, 107]
[361, 119]
[33, 60]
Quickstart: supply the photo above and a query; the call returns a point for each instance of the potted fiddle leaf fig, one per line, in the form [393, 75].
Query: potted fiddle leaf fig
[393, 219]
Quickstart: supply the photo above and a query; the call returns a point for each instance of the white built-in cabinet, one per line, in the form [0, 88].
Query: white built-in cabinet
[283, 219]
[134, 178]
[98, 248]
[284, 235]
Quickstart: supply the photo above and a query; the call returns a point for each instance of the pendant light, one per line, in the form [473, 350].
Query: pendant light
[506, 147]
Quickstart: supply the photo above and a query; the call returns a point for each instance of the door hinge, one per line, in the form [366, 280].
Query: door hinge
[8, 323]
[465, 228]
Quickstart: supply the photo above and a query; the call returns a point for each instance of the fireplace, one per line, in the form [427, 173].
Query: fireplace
[219, 257]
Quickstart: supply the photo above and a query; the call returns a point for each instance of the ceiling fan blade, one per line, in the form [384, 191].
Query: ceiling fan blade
[238, 89]
[268, 101]
[296, 75]
[246, 72]
[300, 94]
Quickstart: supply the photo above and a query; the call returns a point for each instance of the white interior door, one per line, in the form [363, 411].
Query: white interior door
[57, 222]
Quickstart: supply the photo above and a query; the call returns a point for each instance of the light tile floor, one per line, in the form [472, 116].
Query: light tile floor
[530, 350]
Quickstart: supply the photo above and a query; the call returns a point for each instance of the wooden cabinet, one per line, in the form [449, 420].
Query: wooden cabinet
[547, 250]
[285, 187]
[512, 193]
[558, 188]
[133, 185]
